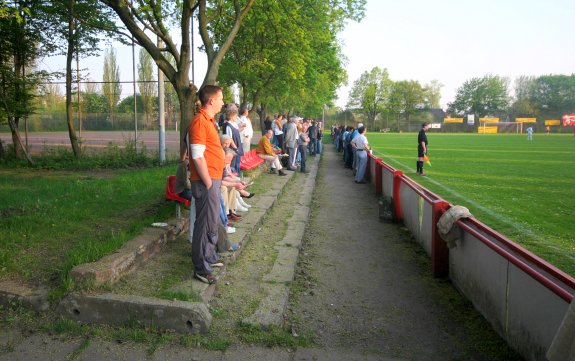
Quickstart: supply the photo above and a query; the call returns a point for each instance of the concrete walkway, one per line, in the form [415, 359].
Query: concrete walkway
[368, 296]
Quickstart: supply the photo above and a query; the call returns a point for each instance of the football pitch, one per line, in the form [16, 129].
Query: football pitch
[523, 189]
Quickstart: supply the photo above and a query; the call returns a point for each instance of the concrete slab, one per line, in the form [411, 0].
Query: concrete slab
[283, 269]
[294, 235]
[300, 214]
[271, 309]
[266, 202]
[35, 298]
[180, 316]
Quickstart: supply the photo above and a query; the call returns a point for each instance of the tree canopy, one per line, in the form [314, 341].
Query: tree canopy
[481, 96]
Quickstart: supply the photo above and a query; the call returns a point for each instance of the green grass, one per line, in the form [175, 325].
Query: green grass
[523, 189]
[54, 220]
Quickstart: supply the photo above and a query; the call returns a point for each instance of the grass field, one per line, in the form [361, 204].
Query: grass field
[523, 189]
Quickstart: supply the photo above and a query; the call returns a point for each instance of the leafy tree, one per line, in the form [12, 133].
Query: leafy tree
[413, 99]
[126, 105]
[21, 32]
[93, 100]
[371, 93]
[144, 17]
[77, 24]
[432, 94]
[481, 96]
[523, 103]
[146, 85]
[112, 88]
[553, 94]
[287, 53]
[51, 98]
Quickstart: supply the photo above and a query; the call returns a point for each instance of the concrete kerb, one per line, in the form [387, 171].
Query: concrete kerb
[113, 309]
[270, 311]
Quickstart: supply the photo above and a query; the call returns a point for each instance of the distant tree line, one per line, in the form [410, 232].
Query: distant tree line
[375, 97]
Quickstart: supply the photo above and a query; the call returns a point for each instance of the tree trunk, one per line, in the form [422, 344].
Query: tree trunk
[262, 112]
[17, 141]
[69, 109]
[187, 98]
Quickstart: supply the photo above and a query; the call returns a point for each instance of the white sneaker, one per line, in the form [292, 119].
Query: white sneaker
[241, 208]
[242, 202]
[230, 230]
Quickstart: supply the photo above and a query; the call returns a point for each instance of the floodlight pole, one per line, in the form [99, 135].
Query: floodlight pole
[161, 115]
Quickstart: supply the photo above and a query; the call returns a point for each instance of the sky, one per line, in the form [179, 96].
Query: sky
[450, 41]
[453, 41]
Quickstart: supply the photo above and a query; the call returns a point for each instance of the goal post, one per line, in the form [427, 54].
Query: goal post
[500, 127]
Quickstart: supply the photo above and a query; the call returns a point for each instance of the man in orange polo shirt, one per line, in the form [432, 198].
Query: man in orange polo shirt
[206, 170]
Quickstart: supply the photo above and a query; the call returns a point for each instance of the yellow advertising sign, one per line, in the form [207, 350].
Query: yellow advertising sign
[526, 120]
[487, 130]
[489, 120]
[552, 122]
[453, 120]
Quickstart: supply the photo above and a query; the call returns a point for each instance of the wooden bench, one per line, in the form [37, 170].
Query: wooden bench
[173, 196]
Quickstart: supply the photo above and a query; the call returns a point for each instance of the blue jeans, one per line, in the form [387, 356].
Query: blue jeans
[223, 215]
[361, 165]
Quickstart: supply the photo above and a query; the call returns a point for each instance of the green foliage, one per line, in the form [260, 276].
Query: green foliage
[481, 96]
[522, 189]
[287, 53]
[111, 88]
[371, 93]
[146, 84]
[94, 103]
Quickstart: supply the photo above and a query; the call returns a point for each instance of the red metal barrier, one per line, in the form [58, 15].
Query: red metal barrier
[397, 213]
[378, 177]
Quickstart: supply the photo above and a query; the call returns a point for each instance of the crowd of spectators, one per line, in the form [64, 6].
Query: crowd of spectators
[353, 143]
[209, 170]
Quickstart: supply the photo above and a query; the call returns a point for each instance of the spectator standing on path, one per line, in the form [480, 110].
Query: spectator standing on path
[361, 148]
[290, 139]
[421, 147]
[206, 169]
[248, 131]
[266, 152]
[318, 148]
[312, 133]
[232, 129]
[530, 133]
[278, 133]
[302, 143]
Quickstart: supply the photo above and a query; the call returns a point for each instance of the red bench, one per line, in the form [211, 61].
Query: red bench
[250, 160]
[173, 196]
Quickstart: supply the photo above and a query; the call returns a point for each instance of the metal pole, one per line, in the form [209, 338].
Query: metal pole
[161, 115]
[134, 89]
[79, 89]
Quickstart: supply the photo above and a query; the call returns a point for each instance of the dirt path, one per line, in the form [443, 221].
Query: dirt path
[367, 288]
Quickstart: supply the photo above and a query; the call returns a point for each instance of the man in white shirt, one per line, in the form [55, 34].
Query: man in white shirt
[248, 131]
